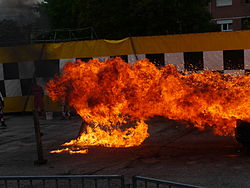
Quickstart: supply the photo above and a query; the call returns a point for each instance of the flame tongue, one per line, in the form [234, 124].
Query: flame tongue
[108, 95]
[112, 138]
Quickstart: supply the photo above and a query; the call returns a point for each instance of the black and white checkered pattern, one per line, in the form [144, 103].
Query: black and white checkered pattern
[16, 77]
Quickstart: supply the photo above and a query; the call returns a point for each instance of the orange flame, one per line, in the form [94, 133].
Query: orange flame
[111, 94]
[70, 151]
[114, 138]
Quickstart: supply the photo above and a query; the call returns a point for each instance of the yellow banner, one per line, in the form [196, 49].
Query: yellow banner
[25, 104]
[139, 45]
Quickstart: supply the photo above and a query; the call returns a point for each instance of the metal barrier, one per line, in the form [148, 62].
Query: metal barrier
[86, 181]
[157, 183]
[73, 181]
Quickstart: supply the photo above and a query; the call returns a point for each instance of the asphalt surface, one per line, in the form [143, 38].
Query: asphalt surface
[173, 152]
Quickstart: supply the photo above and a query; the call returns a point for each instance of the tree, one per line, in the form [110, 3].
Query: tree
[122, 18]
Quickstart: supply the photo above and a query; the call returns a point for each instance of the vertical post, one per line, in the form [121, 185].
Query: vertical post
[18, 183]
[134, 182]
[6, 183]
[109, 183]
[43, 183]
[83, 183]
[56, 183]
[70, 183]
[133, 47]
[122, 182]
[40, 160]
[96, 185]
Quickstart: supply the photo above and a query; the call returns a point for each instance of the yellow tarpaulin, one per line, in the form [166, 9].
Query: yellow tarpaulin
[25, 104]
[139, 45]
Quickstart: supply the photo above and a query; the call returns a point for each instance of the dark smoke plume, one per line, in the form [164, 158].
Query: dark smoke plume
[22, 11]
[18, 20]
[19, 2]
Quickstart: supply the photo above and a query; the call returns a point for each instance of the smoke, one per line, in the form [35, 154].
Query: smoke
[18, 21]
[18, 3]
[21, 11]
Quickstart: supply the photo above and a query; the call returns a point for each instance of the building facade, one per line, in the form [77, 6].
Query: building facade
[231, 15]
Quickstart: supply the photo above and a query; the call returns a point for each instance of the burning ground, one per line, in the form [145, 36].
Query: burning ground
[115, 99]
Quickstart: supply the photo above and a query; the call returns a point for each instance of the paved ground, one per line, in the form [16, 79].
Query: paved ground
[173, 153]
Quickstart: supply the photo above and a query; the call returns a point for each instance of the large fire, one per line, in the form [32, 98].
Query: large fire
[115, 98]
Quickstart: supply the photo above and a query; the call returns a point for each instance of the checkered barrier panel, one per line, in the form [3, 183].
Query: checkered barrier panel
[16, 77]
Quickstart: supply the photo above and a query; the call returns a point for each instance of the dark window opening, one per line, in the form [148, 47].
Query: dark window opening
[224, 26]
[245, 23]
[245, 1]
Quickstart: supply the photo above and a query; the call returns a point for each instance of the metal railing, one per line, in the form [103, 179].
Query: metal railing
[86, 181]
[63, 35]
[157, 183]
[72, 181]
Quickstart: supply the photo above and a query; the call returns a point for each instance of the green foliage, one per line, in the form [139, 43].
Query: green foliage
[114, 19]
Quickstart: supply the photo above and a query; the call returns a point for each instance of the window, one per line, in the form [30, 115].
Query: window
[246, 1]
[225, 25]
[220, 3]
[245, 23]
